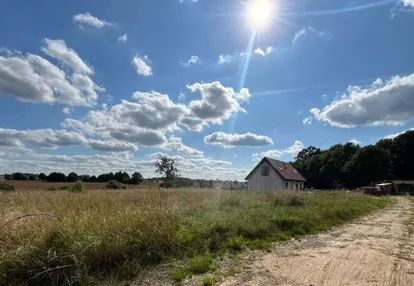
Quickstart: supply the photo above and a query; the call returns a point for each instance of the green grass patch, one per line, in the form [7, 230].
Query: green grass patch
[113, 234]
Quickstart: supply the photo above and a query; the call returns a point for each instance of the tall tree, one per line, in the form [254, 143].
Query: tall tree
[136, 178]
[166, 166]
[72, 177]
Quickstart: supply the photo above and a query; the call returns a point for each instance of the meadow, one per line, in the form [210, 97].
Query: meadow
[111, 235]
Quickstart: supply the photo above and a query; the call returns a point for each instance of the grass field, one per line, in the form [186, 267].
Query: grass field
[97, 236]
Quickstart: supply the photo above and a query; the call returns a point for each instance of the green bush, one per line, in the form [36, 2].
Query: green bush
[236, 242]
[114, 185]
[201, 264]
[6, 187]
[208, 281]
[77, 188]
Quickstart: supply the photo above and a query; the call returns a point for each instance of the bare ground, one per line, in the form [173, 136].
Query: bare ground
[375, 250]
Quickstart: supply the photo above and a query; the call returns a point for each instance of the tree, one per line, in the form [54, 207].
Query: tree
[166, 167]
[19, 176]
[136, 178]
[122, 177]
[403, 154]
[56, 177]
[93, 179]
[72, 177]
[307, 153]
[42, 177]
[369, 165]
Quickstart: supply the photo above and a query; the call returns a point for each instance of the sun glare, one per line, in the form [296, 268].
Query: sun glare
[259, 13]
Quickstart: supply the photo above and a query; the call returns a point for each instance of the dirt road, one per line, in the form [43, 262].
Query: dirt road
[376, 250]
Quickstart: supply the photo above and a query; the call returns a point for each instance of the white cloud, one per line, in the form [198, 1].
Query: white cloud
[192, 61]
[175, 144]
[217, 104]
[181, 96]
[234, 140]
[67, 110]
[259, 51]
[142, 65]
[143, 122]
[292, 150]
[309, 31]
[407, 3]
[193, 167]
[355, 141]
[153, 110]
[123, 38]
[225, 59]
[269, 154]
[263, 53]
[295, 148]
[31, 78]
[392, 136]
[307, 121]
[194, 1]
[89, 20]
[59, 50]
[47, 138]
[389, 103]
[112, 145]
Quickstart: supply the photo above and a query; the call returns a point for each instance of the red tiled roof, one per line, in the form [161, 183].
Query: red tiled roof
[285, 170]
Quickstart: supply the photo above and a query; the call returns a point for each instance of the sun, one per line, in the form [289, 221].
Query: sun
[259, 13]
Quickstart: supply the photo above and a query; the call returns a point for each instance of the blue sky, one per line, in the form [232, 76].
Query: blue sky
[92, 86]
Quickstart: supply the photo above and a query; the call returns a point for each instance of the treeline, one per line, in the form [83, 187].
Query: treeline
[122, 177]
[350, 165]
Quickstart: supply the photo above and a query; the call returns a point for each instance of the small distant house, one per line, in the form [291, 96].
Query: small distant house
[270, 175]
[2, 178]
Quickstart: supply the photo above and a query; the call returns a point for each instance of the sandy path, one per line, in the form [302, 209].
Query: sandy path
[376, 250]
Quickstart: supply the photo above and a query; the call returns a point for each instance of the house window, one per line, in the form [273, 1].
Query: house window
[265, 171]
[296, 186]
[286, 185]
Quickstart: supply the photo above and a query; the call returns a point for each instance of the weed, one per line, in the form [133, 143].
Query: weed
[201, 264]
[179, 274]
[6, 187]
[114, 185]
[208, 281]
[236, 242]
[77, 188]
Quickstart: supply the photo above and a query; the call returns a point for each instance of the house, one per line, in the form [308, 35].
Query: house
[270, 175]
[2, 178]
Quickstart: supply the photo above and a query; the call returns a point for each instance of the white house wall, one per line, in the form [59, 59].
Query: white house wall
[257, 182]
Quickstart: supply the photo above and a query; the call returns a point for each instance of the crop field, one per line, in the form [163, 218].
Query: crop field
[39, 185]
[111, 235]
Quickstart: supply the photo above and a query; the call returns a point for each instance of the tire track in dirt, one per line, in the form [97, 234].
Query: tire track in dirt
[376, 250]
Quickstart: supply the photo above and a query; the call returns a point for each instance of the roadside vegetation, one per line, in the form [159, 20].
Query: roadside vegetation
[95, 236]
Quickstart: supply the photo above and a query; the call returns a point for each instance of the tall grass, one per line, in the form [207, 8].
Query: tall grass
[100, 235]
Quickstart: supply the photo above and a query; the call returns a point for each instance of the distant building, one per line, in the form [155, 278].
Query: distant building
[270, 175]
[2, 178]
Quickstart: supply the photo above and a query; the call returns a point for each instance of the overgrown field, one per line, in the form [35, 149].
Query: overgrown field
[96, 236]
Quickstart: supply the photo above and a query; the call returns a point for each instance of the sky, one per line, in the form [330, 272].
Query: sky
[100, 86]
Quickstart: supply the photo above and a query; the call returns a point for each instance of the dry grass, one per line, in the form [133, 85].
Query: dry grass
[100, 235]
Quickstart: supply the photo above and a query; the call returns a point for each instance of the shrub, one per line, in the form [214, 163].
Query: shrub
[114, 185]
[208, 281]
[6, 187]
[179, 274]
[236, 242]
[77, 188]
[201, 264]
